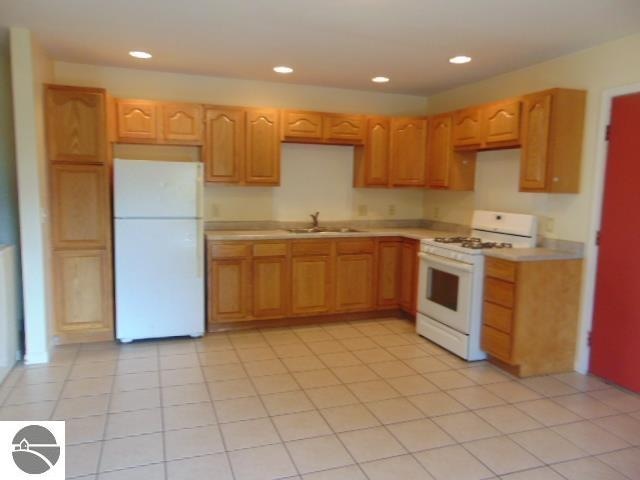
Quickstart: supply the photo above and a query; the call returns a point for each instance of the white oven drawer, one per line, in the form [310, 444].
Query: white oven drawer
[447, 337]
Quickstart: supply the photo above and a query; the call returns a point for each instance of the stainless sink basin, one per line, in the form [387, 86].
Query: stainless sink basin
[323, 230]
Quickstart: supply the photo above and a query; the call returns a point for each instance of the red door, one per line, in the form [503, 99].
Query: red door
[615, 346]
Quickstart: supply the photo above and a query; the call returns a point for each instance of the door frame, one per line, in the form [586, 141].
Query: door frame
[595, 216]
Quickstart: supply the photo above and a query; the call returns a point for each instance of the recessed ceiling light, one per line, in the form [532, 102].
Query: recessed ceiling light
[283, 69]
[140, 54]
[380, 79]
[460, 59]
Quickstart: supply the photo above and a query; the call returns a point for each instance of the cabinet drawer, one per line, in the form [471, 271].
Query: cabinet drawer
[229, 250]
[312, 247]
[356, 246]
[502, 269]
[496, 343]
[499, 291]
[277, 249]
[498, 317]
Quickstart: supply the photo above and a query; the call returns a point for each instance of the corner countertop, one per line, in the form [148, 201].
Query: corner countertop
[414, 233]
[532, 254]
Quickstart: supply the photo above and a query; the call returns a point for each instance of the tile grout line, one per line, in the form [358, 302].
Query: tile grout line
[215, 412]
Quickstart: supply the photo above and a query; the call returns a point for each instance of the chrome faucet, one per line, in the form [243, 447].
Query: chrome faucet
[314, 219]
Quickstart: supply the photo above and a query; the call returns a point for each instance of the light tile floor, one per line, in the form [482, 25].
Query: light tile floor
[350, 401]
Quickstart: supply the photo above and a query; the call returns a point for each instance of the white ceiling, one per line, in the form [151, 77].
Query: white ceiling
[341, 43]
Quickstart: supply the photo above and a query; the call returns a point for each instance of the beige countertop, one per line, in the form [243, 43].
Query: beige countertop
[532, 254]
[512, 254]
[415, 233]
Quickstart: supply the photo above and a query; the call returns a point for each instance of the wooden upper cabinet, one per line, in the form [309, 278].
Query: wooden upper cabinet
[467, 128]
[181, 123]
[533, 171]
[408, 149]
[344, 128]
[82, 287]
[224, 146]
[137, 121]
[262, 154]
[372, 159]
[502, 123]
[552, 141]
[76, 124]
[439, 151]
[320, 127]
[80, 206]
[301, 125]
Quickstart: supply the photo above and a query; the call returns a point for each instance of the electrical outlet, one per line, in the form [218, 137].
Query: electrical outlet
[550, 225]
[362, 210]
[391, 210]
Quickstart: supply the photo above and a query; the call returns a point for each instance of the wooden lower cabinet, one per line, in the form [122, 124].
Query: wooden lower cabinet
[409, 275]
[388, 286]
[354, 282]
[270, 287]
[229, 289]
[311, 284]
[276, 279]
[530, 318]
[83, 292]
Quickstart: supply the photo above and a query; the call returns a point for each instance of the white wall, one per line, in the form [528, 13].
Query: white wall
[314, 177]
[30, 68]
[596, 69]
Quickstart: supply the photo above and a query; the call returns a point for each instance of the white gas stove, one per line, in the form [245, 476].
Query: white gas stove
[452, 275]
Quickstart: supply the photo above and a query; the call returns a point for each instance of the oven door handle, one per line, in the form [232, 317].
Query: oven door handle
[465, 267]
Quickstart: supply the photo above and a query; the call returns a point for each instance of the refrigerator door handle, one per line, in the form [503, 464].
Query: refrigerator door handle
[200, 249]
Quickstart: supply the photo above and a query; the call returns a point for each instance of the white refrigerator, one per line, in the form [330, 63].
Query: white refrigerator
[159, 249]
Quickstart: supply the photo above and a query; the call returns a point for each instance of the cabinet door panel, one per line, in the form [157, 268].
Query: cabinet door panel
[409, 275]
[467, 128]
[83, 291]
[270, 287]
[262, 147]
[80, 206]
[408, 148]
[223, 152]
[389, 273]
[182, 123]
[302, 125]
[137, 121]
[76, 125]
[354, 282]
[310, 284]
[376, 152]
[533, 169]
[344, 128]
[502, 123]
[439, 151]
[229, 290]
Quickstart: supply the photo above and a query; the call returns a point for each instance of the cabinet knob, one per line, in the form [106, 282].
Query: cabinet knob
[556, 179]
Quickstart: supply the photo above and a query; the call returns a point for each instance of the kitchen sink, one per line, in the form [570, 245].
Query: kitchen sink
[323, 230]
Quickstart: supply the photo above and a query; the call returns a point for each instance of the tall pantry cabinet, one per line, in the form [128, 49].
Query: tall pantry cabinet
[78, 163]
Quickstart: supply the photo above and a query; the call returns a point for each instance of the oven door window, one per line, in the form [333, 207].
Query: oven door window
[443, 288]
